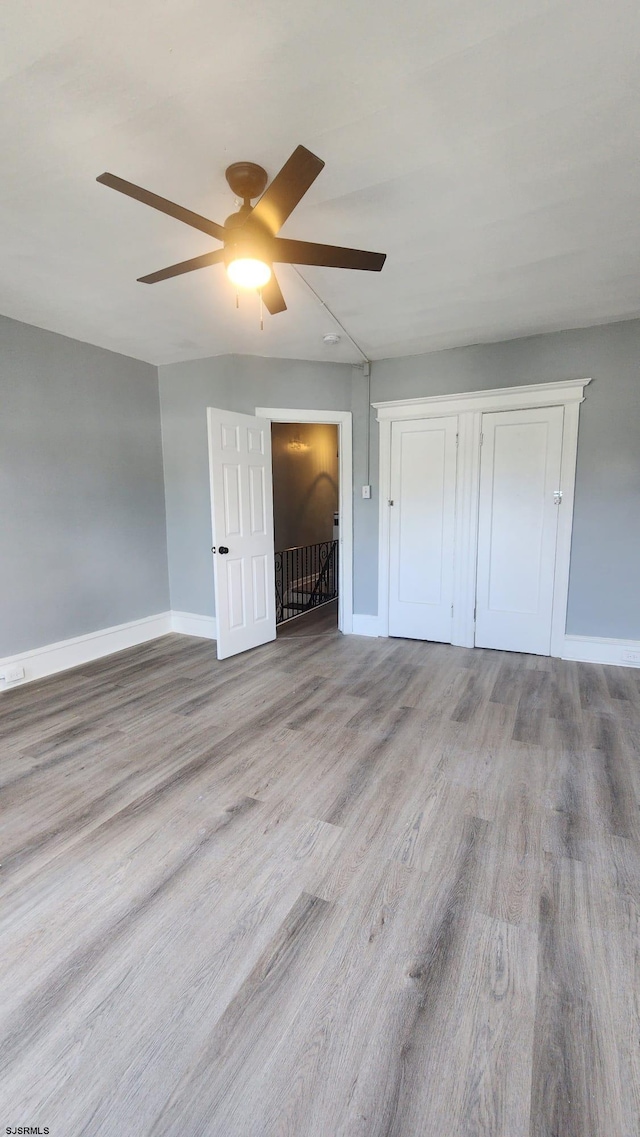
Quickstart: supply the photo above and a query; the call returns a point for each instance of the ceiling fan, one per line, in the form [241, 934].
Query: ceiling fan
[250, 245]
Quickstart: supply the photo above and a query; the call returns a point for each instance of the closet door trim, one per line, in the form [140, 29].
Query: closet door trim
[469, 407]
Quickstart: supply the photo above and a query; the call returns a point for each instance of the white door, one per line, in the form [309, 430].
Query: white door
[242, 515]
[517, 525]
[421, 525]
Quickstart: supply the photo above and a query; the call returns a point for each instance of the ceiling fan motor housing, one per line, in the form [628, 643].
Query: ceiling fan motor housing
[246, 238]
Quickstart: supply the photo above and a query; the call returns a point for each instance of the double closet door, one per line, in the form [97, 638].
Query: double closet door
[514, 551]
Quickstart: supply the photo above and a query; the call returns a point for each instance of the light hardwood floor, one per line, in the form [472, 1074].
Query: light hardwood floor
[336, 887]
[317, 622]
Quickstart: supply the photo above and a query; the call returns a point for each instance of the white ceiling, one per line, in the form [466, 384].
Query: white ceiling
[490, 148]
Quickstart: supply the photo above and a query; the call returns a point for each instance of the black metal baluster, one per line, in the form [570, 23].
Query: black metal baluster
[306, 577]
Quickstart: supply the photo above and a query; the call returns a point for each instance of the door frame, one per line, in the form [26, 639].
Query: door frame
[469, 407]
[344, 421]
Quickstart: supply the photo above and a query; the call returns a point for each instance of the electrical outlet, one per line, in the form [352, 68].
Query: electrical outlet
[366, 492]
[12, 674]
[631, 656]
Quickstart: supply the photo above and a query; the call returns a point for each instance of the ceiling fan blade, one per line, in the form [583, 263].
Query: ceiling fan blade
[161, 203]
[285, 251]
[272, 297]
[287, 189]
[184, 266]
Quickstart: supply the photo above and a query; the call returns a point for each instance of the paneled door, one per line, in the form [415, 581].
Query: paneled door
[421, 526]
[242, 524]
[517, 526]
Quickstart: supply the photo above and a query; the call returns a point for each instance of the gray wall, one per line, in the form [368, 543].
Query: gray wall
[82, 521]
[82, 525]
[232, 382]
[604, 591]
[305, 483]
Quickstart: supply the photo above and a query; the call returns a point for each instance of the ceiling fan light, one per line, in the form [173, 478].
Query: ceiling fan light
[248, 272]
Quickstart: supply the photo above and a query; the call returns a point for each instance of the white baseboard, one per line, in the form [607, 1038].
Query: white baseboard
[189, 624]
[595, 649]
[51, 658]
[583, 649]
[365, 625]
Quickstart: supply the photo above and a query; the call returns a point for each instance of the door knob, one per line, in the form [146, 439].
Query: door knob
[222, 549]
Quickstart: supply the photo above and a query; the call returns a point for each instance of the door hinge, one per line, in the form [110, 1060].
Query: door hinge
[481, 438]
[457, 439]
[452, 609]
[474, 615]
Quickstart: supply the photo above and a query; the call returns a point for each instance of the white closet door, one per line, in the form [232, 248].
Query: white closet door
[517, 525]
[423, 491]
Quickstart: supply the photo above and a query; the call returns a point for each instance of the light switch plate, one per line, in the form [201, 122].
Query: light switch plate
[366, 491]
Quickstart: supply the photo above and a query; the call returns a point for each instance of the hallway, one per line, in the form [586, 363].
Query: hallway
[322, 621]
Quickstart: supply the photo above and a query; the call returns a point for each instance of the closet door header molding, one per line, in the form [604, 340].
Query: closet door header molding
[501, 399]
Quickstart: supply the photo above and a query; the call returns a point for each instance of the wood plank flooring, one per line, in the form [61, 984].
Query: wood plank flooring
[336, 887]
[316, 622]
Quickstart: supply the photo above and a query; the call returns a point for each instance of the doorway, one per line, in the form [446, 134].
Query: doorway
[336, 570]
[306, 520]
[243, 546]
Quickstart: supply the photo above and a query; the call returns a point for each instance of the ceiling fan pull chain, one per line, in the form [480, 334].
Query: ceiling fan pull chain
[261, 312]
[237, 299]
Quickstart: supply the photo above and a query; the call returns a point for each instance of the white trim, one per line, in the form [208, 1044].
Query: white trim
[384, 526]
[597, 649]
[469, 407]
[288, 414]
[190, 624]
[565, 527]
[498, 399]
[60, 656]
[364, 625]
[344, 421]
[56, 657]
[465, 558]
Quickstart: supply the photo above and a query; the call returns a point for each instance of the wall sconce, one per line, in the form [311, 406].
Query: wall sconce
[296, 444]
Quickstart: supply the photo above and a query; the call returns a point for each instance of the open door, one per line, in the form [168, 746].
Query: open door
[242, 525]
